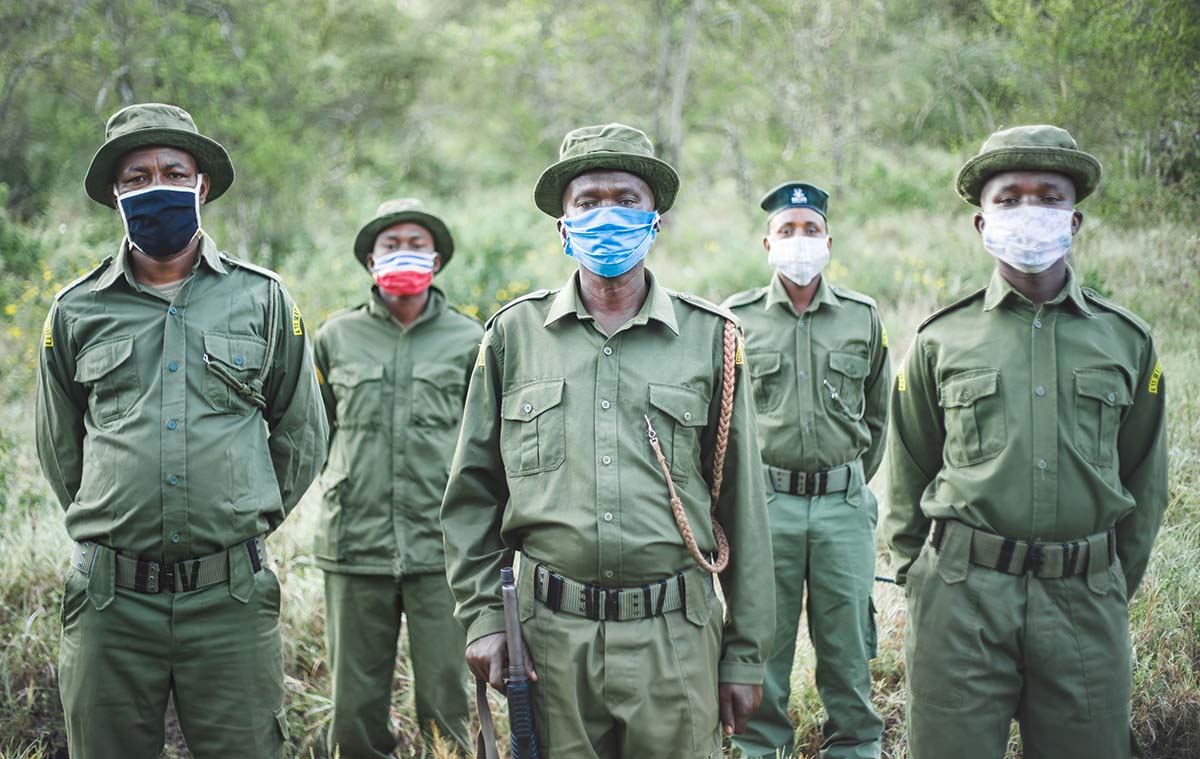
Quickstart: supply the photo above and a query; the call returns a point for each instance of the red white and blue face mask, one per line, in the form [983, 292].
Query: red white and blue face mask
[403, 272]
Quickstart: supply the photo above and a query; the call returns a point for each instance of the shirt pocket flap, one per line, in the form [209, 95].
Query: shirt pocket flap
[100, 359]
[244, 352]
[762, 364]
[1105, 386]
[848, 364]
[530, 401]
[964, 389]
[446, 376]
[684, 405]
[354, 374]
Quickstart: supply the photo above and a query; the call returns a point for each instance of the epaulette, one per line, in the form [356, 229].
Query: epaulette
[745, 297]
[854, 295]
[952, 307]
[80, 280]
[226, 258]
[342, 312]
[705, 305]
[1121, 311]
[535, 295]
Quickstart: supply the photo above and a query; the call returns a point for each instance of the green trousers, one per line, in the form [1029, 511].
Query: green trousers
[216, 650]
[634, 689]
[824, 544]
[362, 625]
[983, 647]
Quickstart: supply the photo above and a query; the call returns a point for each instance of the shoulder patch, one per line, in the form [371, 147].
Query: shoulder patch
[535, 295]
[952, 307]
[745, 297]
[854, 295]
[86, 277]
[1155, 378]
[705, 305]
[1095, 297]
[297, 323]
[239, 263]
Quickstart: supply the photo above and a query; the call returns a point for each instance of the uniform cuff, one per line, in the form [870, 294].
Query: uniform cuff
[740, 673]
[487, 623]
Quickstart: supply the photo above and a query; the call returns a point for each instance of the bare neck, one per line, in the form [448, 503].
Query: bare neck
[801, 295]
[1039, 287]
[148, 270]
[406, 309]
[613, 301]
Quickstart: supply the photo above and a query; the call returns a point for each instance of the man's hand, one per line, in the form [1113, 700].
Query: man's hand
[487, 658]
[738, 702]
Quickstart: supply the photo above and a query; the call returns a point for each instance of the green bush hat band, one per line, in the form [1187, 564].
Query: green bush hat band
[795, 195]
[1029, 148]
[614, 147]
[145, 124]
[398, 211]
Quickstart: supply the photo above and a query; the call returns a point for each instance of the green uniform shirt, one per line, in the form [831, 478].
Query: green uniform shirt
[394, 397]
[147, 450]
[1044, 424]
[821, 378]
[554, 460]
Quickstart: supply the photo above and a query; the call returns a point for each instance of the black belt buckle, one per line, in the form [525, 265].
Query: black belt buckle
[612, 604]
[1034, 558]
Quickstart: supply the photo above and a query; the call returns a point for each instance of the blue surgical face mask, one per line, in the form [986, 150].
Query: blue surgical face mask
[161, 220]
[609, 241]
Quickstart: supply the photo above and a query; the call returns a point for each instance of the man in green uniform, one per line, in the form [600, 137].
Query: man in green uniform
[819, 367]
[178, 422]
[633, 653]
[1028, 464]
[394, 374]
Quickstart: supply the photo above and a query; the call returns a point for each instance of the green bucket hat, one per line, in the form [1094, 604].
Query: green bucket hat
[398, 211]
[608, 146]
[1029, 148]
[145, 124]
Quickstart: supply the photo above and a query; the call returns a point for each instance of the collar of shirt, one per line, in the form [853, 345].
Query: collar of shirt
[778, 294]
[1000, 289]
[121, 268]
[657, 305]
[433, 307]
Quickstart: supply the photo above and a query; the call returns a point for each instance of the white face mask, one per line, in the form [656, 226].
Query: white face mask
[1028, 238]
[799, 258]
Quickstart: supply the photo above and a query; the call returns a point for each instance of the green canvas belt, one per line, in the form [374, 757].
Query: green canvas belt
[1046, 560]
[835, 480]
[146, 576]
[596, 602]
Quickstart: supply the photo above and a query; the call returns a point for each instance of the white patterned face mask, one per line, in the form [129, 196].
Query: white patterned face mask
[799, 258]
[1028, 238]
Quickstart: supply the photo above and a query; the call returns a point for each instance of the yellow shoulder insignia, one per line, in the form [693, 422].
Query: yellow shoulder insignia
[47, 331]
[739, 357]
[1155, 377]
[901, 382]
[297, 327]
[320, 377]
[883, 331]
[479, 362]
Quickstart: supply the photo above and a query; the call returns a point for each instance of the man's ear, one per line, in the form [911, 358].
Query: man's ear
[437, 262]
[978, 220]
[204, 185]
[370, 259]
[829, 242]
[562, 232]
[1076, 222]
[767, 244]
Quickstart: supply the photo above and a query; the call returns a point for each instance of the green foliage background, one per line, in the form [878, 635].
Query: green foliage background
[329, 107]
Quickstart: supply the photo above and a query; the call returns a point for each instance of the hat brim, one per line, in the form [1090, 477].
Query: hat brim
[210, 157]
[663, 180]
[443, 243]
[1083, 168]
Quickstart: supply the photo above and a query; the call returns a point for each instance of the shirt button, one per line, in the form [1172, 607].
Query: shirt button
[801, 322]
[1037, 323]
[803, 374]
[608, 573]
[172, 311]
[172, 424]
[604, 405]
[608, 516]
[173, 366]
[608, 350]
[965, 396]
[606, 460]
[1040, 390]
[1112, 397]
[527, 408]
[176, 537]
[687, 416]
[238, 360]
[1042, 464]
[173, 480]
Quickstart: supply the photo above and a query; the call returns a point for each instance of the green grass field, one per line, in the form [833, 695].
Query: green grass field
[910, 261]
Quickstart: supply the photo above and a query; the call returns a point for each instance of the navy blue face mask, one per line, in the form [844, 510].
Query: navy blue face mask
[161, 220]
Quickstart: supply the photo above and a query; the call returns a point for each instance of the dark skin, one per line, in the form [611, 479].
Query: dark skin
[148, 167]
[790, 223]
[612, 302]
[1045, 189]
[405, 236]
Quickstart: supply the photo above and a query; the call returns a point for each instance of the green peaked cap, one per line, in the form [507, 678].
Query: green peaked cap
[398, 211]
[1029, 148]
[145, 124]
[795, 195]
[613, 147]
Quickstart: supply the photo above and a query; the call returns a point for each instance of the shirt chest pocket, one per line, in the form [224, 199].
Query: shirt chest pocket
[1100, 398]
[766, 379]
[109, 372]
[678, 414]
[358, 392]
[437, 395]
[239, 357]
[844, 383]
[533, 433]
[974, 411]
